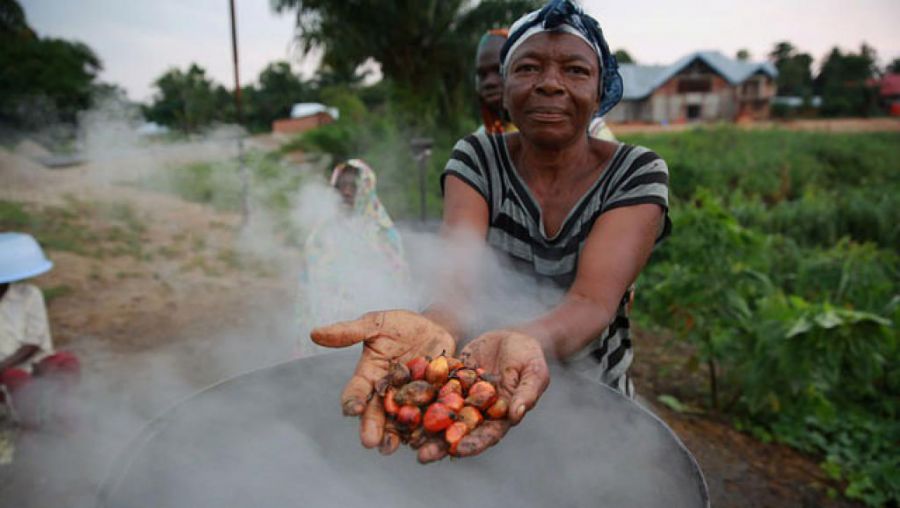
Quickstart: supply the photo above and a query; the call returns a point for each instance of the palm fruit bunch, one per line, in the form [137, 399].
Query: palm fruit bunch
[428, 398]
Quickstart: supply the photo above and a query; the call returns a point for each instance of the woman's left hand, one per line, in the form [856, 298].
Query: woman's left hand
[387, 336]
[522, 367]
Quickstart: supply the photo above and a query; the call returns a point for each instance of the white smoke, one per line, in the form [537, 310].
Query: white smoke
[272, 452]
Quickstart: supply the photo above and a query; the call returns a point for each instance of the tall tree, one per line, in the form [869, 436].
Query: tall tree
[742, 55]
[43, 80]
[188, 101]
[844, 82]
[425, 47]
[12, 21]
[277, 89]
[794, 70]
[782, 51]
[623, 57]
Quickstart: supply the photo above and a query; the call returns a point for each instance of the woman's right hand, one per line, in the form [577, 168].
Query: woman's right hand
[391, 335]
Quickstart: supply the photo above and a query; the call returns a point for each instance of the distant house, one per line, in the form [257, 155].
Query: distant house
[305, 116]
[889, 93]
[700, 87]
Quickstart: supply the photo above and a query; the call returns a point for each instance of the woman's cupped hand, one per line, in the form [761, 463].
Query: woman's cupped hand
[399, 336]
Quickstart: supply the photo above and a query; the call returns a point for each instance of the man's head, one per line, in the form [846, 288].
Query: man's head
[488, 82]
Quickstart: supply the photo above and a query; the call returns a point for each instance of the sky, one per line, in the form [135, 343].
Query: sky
[139, 40]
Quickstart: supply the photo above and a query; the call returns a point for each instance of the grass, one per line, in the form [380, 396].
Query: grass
[218, 184]
[782, 273]
[54, 292]
[77, 226]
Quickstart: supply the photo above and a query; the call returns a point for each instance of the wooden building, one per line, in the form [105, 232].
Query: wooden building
[705, 86]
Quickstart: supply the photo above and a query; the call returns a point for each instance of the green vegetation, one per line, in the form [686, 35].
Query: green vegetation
[783, 272]
[77, 226]
[44, 79]
[843, 82]
[55, 292]
[426, 49]
[378, 135]
[272, 187]
[189, 101]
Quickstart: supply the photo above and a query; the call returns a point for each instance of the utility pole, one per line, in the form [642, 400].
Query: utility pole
[242, 168]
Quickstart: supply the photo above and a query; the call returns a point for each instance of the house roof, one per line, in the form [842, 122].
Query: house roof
[890, 85]
[641, 80]
[304, 109]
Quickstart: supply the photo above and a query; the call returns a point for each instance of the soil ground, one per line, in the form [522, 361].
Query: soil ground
[178, 313]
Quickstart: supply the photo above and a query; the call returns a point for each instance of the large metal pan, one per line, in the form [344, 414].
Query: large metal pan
[276, 438]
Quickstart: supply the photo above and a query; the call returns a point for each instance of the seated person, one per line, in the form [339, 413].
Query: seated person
[26, 349]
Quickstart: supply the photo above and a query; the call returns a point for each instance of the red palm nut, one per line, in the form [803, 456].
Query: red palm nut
[453, 400]
[471, 416]
[467, 377]
[455, 432]
[438, 417]
[451, 386]
[482, 395]
[498, 410]
[437, 371]
[417, 367]
[454, 363]
[416, 393]
[390, 404]
[410, 416]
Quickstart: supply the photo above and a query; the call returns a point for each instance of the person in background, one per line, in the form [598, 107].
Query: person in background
[32, 375]
[489, 86]
[359, 243]
[489, 83]
[355, 182]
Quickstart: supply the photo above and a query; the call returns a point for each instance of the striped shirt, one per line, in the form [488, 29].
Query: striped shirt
[634, 175]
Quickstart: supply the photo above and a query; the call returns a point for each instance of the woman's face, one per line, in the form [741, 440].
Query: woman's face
[346, 185]
[551, 88]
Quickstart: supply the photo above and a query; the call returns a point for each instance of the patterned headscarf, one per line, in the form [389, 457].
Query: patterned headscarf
[567, 17]
[366, 202]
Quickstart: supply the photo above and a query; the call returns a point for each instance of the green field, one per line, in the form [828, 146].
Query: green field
[783, 273]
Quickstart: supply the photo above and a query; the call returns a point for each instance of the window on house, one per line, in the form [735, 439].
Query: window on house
[694, 85]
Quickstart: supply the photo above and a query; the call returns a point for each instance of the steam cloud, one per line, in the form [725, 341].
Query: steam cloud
[117, 400]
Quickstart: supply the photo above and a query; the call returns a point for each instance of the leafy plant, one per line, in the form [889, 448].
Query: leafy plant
[783, 272]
